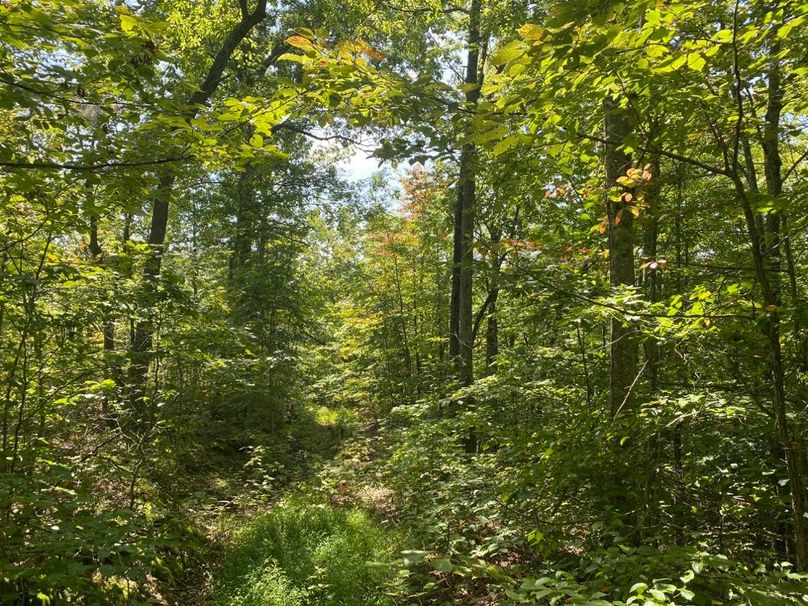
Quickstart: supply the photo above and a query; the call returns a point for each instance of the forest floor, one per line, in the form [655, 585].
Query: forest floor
[306, 515]
[319, 528]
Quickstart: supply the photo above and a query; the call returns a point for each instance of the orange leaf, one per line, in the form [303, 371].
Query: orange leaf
[300, 42]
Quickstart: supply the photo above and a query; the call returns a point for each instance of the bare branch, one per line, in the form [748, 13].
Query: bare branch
[795, 165]
[672, 155]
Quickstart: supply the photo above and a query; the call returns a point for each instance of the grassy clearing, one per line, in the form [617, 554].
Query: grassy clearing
[301, 554]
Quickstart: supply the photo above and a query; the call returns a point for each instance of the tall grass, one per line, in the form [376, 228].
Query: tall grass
[302, 554]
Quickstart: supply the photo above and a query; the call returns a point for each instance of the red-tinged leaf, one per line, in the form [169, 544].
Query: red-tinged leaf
[300, 42]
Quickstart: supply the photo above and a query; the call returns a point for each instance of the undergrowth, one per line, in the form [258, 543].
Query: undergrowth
[304, 553]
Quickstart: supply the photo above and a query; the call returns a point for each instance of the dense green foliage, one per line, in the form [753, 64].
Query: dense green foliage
[554, 352]
[304, 552]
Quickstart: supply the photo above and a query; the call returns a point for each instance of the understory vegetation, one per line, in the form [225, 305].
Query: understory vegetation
[551, 348]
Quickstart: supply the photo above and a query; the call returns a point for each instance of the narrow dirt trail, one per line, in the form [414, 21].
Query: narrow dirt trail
[328, 540]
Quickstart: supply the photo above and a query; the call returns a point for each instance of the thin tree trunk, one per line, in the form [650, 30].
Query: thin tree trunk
[492, 334]
[491, 324]
[467, 187]
[797, 482]
[454, 303]
[107, 324]
[242, 238]
[800, 341]
[651, 345]
[652, 277]
[584, 364]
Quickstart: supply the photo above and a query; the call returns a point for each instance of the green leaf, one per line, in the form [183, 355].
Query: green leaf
[688, 576]
[442, 564]
[509, 52]
[503, 145]
[723, 36]
[257, 140]
[696, 62]
[302, 59]
[531, 32]
[784, 31]
[128, 23]
[638, 588]
[658, 595]
[652, 17]
[494, 134]
[687, 594]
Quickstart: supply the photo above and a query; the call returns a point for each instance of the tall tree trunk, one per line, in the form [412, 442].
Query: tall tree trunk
[467, 199]
[454, 303]
[492, 333]
[491, 325]
[652, 277]
[793, 449]
[623, 348]
[651, 344]
[143, 333]
[800, 341]
[242, 235]
[624, 497]
[107, 323]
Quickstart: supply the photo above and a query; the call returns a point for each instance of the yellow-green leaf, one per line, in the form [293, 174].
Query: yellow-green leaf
[531, 32]
[696, 62]
[128, 23]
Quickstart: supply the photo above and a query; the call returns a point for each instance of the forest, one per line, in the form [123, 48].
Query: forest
[387, 303]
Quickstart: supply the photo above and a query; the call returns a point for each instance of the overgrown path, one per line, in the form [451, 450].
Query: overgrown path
[329, 539]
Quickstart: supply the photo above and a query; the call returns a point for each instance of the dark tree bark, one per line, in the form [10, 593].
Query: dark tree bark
[651, 346]
[623, 348]
[461, 343]
[772, 328]
[793, 450]
[491, 325]
[454, 303]
[492, 333]
[242, 236]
